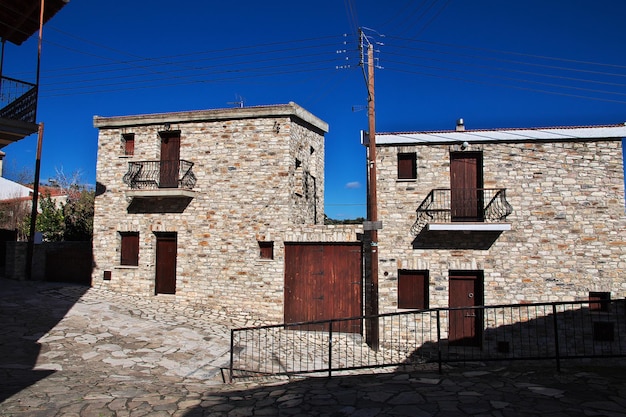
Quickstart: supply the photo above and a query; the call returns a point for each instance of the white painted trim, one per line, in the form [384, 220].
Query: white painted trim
[161, 193]
[475, 227]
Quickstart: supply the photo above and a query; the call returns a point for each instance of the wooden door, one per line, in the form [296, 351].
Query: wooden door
[165, 279]
[466, 183]
[323, 282]
[465, 325]
[170, 159]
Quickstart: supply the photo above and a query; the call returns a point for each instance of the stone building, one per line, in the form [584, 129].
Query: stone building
[210, 206]
[485, 217]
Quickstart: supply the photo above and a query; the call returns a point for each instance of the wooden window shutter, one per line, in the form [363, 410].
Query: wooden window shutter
[129, 143]
[266, 250]
[599, 301]
[407, 166]
[412, 289]
[130, 248]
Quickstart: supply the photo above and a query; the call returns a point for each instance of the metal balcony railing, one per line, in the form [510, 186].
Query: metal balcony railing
[145, 175]
[445, 205]
[18, 100]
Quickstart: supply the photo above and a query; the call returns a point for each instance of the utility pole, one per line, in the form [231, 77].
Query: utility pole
[35, 203]
[372, 226]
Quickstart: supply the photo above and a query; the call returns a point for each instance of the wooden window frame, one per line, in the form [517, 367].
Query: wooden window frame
[129, 144]
[407, 166]
[266, 249]
[129, 248]
[599, 301]
[413, 294]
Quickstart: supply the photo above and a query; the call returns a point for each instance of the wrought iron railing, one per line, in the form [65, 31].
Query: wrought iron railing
[541, 331]
[18, 100]
[160, 174]
[445, 205]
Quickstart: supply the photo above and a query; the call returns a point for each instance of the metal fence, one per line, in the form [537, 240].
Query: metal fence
[554, 331]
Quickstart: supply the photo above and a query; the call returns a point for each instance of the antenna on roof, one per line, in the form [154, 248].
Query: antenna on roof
[240, 101]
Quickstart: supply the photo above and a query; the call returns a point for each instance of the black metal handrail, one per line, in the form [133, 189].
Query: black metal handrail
[539, 331]
[445, 205]
[18, 100]
[160, 174]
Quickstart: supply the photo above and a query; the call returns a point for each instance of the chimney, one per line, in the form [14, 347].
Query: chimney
[460, 126]
[2, 155]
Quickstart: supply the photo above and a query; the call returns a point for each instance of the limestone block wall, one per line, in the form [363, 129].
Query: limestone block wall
[253, 184]
[568, 226]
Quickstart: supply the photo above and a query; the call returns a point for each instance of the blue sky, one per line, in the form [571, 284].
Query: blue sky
[493, 63]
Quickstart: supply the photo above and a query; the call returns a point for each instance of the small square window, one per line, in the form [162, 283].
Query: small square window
[266, 250]
[603, 331]
[407, 166]
[129, 248]
[599, 301]
[129, 143]
[412, 289]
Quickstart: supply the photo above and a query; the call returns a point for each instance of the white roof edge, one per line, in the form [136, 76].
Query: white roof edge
[501, 135]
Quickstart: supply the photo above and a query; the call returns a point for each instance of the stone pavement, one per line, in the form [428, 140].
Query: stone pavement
[74, 351]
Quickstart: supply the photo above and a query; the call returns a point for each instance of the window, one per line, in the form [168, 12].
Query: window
[266, 250]
[412, 289]
[129, 143]
[130, 248]
[407, 166]
[599, 301]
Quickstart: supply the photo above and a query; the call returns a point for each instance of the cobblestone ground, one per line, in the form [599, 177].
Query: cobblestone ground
[72, 351]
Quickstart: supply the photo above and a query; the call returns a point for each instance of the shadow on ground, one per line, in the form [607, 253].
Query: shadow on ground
[479, 390]
[26, 315]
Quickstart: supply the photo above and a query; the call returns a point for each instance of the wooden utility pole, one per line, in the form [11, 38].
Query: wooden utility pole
[372, 289]
[35, 202]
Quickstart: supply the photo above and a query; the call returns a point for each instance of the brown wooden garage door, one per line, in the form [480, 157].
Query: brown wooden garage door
[323, 281]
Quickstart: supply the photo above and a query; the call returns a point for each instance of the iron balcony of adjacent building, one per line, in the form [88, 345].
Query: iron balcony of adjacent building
[18, 110]
[160, 179]
[467, 209]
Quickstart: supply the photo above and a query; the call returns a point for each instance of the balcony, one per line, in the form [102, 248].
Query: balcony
[160, 179]
[475, 209]
[18, 110]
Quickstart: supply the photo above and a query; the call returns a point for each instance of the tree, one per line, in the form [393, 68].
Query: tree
[78, 215]
[69, 220]
[329, 221]
[50, 221]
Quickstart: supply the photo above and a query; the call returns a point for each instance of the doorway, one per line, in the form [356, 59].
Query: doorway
[466, 186]
[165, 274]
[323, 282]
[170, 159]
[465, 325]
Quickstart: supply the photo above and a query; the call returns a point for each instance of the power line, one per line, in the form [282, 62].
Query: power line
[508, 86]
[514, 70]
[513, 79]
[498, 51]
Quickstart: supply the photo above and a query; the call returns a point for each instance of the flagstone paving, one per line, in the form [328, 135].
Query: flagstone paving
[68, 350]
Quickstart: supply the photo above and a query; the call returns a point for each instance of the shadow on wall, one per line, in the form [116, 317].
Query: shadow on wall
[437, 239]
[28, 310]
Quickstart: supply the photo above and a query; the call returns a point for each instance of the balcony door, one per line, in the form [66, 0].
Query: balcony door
[170, 159]
[466, 183]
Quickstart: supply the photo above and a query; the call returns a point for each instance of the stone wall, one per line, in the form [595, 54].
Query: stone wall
[567, 227]
[52, 261]
[259, 178]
